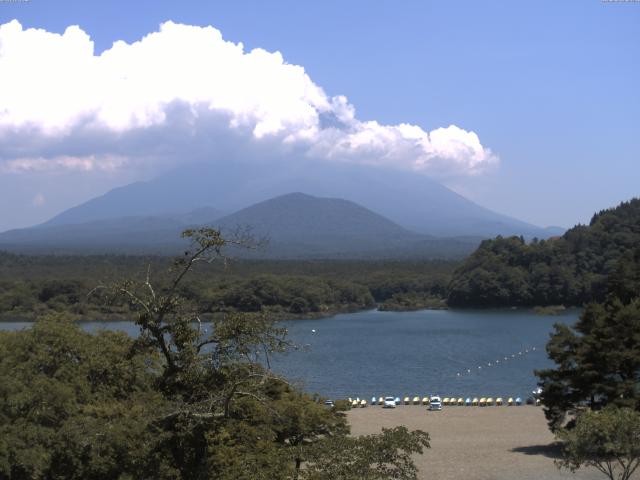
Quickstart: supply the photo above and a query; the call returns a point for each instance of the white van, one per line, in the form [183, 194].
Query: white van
[435, 403]
[389, 402]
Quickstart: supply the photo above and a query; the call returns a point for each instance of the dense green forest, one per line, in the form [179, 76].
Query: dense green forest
[177, 402]
[567, 270]
[34, 285]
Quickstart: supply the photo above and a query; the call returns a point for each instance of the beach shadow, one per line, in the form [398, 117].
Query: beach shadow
[552, 450]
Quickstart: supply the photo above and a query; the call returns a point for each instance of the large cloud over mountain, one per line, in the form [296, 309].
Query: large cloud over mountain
[184, 92]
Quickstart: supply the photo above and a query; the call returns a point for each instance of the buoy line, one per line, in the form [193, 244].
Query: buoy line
[503, 361]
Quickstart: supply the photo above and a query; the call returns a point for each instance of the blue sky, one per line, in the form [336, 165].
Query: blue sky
[552, 88]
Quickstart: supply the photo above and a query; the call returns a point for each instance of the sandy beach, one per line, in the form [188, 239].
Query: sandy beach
[492, 443]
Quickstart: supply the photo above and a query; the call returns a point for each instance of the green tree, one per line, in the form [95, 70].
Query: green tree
[371, 457]
[228, 400]
[184, 400]
[598, 359]
[75, 405]
[608, 440]
[598, 362]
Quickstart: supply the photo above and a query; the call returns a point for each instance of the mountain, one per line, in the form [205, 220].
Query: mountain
[300, 225]
[297, 226]
[131, 234]
[406, 198]
[300, 216]
[199, 216]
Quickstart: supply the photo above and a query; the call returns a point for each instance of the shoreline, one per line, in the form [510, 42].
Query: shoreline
[289, 316]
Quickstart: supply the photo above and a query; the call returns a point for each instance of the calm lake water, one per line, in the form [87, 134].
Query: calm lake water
[411, 353]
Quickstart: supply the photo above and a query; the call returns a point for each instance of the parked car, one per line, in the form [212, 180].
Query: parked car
[435, 403]
[389, 402]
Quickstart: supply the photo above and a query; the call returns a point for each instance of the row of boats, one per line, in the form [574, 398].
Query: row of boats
[436, 401]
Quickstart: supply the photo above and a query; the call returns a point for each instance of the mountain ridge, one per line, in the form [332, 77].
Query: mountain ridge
[298, 226]
[411, 200]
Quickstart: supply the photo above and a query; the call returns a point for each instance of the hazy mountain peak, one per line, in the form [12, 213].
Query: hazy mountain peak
[298, 225]
[406, 198]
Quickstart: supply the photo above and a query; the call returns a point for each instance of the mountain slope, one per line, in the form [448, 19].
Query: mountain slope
[297, 226]
[406, 198]
[302, 226]
[570, 270]
[131, 234]
[297, 215]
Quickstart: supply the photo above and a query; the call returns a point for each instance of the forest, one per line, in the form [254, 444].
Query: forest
[571, 270]
[177, 402]
[31, 286]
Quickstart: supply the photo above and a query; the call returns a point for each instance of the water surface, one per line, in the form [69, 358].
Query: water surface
[410, 353]
[425, 352]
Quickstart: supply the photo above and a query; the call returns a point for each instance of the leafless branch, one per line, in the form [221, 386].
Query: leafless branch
[148, 283]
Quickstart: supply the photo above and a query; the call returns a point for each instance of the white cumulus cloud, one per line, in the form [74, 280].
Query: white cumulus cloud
[185, 93]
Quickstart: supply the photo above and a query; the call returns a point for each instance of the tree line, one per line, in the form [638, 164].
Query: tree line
[32, 286]
[568, 270]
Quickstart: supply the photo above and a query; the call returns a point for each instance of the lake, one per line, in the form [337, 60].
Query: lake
[444, 352]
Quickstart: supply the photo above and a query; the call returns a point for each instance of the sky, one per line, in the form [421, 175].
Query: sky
[528, 108]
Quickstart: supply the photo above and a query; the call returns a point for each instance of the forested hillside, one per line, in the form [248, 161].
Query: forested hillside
[568, 270]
